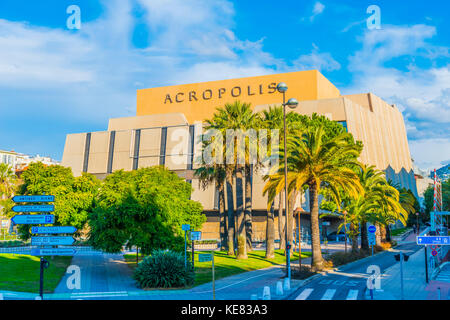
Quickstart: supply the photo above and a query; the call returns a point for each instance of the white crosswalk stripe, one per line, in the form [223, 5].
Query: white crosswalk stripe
[352, 295]
[305, 294]
[329, 294]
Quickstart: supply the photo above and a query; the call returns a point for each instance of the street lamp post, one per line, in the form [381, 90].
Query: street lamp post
[292, 103]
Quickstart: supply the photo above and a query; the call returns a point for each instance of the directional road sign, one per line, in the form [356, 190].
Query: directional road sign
[53, 230]
[34, 219]
[185, 227]
[204, 257]
[34, 208]
[372, 229]
[42, 198]
[196, 235]
[53, 252]
[440, 240]
[52, 241]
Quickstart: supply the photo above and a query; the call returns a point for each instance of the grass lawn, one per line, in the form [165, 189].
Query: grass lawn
[228, 265]
[398, 231]
[21, 272]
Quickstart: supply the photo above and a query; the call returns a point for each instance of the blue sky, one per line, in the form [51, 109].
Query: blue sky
[55, 81]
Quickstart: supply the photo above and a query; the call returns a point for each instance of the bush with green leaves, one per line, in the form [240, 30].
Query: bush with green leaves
[163, 269]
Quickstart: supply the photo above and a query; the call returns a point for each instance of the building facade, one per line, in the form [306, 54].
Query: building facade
[168, 126]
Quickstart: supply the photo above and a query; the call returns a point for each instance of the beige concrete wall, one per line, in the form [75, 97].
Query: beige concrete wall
[149, 147]
[98, 152]
[122, 158]
[147, 121]
[73, 156]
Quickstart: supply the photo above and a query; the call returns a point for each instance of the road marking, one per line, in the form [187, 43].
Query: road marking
[329, 294]
[352, 295]
[305, 294]
[78, 297]
[1, 296]
[100, 293]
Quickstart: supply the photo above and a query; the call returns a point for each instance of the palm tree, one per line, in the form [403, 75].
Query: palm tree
[8, 184]
[215, 174]
[239, 117]
[270, 233]
[316, 161]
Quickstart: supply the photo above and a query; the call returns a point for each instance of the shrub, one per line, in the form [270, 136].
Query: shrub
[163, 269]
[340, 258]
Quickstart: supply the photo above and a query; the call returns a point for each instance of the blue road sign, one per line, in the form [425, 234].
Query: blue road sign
[196, 235]
[34, 208]
[53, 252]
[34, 219]
[440, 240]
[204, 257]
[185, 227]
[434, 253]
[372, 229]
[53, 230]
[42, 198]
[52, 241]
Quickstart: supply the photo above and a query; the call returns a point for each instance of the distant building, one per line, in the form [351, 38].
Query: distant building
[23, 161]
[423, 181]
[9, 157]
[167, 131]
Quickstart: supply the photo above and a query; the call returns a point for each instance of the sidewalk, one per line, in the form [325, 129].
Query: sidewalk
[414, 284]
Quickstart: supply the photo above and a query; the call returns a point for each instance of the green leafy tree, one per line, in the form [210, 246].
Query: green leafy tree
[318, 160]
[74, 196]
[8, 185]
[144, 208]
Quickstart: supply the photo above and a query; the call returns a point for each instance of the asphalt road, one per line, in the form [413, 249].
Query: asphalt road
[348, 283]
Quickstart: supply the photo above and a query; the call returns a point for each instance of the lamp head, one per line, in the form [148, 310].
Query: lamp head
[282, 87]
[292, 103]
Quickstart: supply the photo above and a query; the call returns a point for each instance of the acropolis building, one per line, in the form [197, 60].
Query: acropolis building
[152, 136]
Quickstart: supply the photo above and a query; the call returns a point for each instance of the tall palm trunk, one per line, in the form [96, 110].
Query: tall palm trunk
[354, 237]
[317, 260]
[248, 204]
[388, 233]
[222, 216]
[270, 233]
[364, 239]
[230, 205]
[383, 232]
[281, 223]
[378, 234]
[241, 234]
[291, 219]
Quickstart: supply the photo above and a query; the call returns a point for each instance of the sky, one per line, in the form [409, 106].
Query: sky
[55, 80]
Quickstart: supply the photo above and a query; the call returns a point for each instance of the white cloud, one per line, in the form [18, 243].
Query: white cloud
[322, 61]
[318, 9]
[422, 94]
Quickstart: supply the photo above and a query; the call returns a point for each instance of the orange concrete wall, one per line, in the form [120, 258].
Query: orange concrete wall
[303, 85]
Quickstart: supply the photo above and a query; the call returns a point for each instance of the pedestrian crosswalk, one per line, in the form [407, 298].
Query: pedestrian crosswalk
[328, 294]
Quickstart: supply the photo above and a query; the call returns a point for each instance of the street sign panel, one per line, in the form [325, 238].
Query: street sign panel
[53, 230]
[196, 235]
[42, 198]
[52, 241]
[372, 229]
[53, 252]
[34, 219]
[185, 227]
[434, 253]
[204, 257]
[372, 240]
[439, 240]
[34, 208]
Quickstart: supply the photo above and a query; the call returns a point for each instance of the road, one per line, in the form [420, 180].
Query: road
[348, 283]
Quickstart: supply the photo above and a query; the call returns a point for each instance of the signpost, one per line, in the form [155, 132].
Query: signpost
[33, 219]
[185, 228]
[53, 230]
[195, 235]
[439, 240]
[42, 198]
[206, 257]
[43, 241]
[52, 241]
[34, 208]
[53, 252]
[372, 239]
